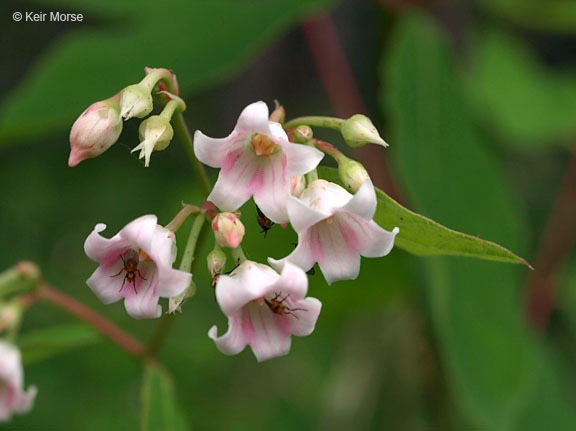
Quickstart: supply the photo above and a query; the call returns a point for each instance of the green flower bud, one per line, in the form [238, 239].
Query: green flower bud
[135, 101]
[358, 131]
[155, 135]
[352, 173]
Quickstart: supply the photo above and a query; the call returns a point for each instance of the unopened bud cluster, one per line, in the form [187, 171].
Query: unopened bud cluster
[100, 126]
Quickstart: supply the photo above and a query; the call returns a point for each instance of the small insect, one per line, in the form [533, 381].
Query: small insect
[130, 259]
[264, 222]
[277, 306]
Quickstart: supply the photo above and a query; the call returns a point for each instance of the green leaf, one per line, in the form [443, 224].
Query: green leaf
[551, 15]
[498, 374]
[160, 411]
[204, 42]
[424, 237]
[40, 344]
[529, 104]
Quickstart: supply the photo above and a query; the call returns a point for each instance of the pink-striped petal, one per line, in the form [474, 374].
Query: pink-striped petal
[235, 181]
[271, 192]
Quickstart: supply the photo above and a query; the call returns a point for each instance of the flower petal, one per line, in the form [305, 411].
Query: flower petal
[271, 192]
[99, 248]
[301, 158]
[364, 202]
[369, 239]
[336, 258]
[142, 302]
[302, 216]
[254, 118]
[173, 282]
[307, 311]
[306, 253]
[162, 248]
[234, 185]
[292, 280]
[247, 282]
[141, 231]
[104, 284]
[213, 151]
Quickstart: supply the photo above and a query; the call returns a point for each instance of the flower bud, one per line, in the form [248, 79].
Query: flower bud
[302, 134]
[155, 135]
[297, 185]
[135, 101]
[352, 173]
[216, 260]
[358, 131]
[279, 113]
[95, 130]
[10, 315]
[228, 230]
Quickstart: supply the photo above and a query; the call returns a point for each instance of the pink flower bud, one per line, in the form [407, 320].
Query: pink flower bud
[216, 260]
[95, 130]
[228, 230]
[297, 185]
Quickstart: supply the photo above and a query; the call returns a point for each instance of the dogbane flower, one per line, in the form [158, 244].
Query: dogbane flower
[136, 264]
[256, 159]
[13, 397]
[334, 228]
[264, 309]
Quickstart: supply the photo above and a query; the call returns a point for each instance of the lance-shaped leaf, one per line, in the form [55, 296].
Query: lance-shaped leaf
[424, 237]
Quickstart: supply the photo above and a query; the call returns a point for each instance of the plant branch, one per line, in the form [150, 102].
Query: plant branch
[557, 241]
[60, 299]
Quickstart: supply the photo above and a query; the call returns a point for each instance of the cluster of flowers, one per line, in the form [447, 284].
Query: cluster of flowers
[264, 304]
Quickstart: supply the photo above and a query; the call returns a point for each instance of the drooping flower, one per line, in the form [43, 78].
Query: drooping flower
[97, 128]
[334, 229]
[256, 159]
[264, 309]
[13, 397]
[136, 264]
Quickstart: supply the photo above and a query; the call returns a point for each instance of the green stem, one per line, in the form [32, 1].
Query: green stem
[311, 176]
[177, 221]
[316, 121]
[188, 256]
[186, 138]
[152, 78]
[329, 149]
[238, 255]
[175, 104]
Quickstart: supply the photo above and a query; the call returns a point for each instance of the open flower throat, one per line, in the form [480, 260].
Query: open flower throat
[262, 145]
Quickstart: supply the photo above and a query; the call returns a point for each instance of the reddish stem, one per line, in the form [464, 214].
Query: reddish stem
[556, 243]
[340, 87]
[85, 313]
